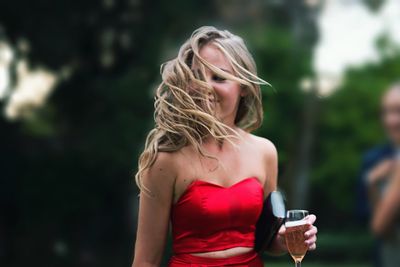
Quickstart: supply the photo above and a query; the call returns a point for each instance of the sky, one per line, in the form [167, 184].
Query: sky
[348, 31]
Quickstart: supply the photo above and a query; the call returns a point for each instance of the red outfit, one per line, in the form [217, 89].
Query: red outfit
[209, 217]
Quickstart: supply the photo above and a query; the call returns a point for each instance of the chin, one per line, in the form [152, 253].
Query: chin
[395, 138]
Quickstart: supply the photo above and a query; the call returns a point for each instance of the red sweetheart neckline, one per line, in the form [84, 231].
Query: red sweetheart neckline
[216, 185]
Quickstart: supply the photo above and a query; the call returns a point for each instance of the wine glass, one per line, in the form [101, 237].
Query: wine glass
[296, 225]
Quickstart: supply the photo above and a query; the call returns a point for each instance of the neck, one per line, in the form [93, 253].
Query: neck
[210, 142]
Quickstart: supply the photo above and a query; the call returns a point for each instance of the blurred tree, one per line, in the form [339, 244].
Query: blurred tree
[283, 52]
[68, 171]
[374, 4]
[349, 125]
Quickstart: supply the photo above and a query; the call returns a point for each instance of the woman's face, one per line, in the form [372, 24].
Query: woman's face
[391, 114]
[228, 92]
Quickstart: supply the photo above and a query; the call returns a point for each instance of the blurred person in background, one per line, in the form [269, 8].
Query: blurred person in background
[379, 185]
[202, 170]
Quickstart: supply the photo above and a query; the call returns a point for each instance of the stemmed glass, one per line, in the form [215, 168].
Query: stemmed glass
[296, 226]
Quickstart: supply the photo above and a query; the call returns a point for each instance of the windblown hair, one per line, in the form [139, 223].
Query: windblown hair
[184, 114]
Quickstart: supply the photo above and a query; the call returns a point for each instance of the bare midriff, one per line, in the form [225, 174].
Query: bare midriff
[226, 253]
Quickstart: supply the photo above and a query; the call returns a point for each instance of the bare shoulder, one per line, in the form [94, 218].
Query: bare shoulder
[164, 163]
[162, 173]
[267, 148]
[270, 161]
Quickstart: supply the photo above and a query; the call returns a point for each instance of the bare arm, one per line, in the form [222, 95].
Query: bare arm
[154, 213]
[374, 177]
[271, 158]
[388, 207]
[278, 245]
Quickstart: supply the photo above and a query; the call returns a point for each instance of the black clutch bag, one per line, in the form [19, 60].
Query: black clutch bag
[271, 219]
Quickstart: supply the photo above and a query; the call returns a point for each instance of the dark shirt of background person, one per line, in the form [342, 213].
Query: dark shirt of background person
[377, 170]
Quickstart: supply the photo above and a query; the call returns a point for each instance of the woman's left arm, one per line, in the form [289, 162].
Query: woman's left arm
[388, 207]
[278, 245]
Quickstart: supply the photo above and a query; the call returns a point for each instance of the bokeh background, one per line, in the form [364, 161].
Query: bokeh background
[76, 84]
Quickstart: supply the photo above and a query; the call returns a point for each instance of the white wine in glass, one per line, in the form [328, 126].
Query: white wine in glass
[296, 225]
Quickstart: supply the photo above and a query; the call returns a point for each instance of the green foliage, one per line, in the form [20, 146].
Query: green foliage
[283, 67]
[348, 126]
[67, 172]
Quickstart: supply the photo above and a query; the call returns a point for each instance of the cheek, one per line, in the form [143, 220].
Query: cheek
[229, 92]
[392, 120]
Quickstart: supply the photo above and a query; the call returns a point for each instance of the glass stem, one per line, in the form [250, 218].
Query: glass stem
[298, 263]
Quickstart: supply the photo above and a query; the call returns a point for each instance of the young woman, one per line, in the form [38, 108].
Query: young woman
[202, 169]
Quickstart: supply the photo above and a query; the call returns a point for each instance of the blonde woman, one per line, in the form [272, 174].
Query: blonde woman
[202, 171]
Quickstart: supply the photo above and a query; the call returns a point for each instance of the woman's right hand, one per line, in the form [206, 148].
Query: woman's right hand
[310, 234]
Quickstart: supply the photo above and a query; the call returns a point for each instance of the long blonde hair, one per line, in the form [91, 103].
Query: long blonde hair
[183, 113]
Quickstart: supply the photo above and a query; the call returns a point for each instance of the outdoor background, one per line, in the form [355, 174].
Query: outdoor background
[76, 84]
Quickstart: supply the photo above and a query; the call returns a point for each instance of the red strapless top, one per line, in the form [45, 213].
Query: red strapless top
[210, 217]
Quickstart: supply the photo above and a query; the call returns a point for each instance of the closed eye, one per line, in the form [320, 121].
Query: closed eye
[218, 78]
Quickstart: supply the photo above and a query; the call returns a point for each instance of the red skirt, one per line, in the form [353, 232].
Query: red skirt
[249, 259]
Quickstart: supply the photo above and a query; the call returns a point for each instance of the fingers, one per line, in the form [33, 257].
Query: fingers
[312, 242]
[312, 239]
[311, 234]
[312, 247]
[311, 219]
[313, 231]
